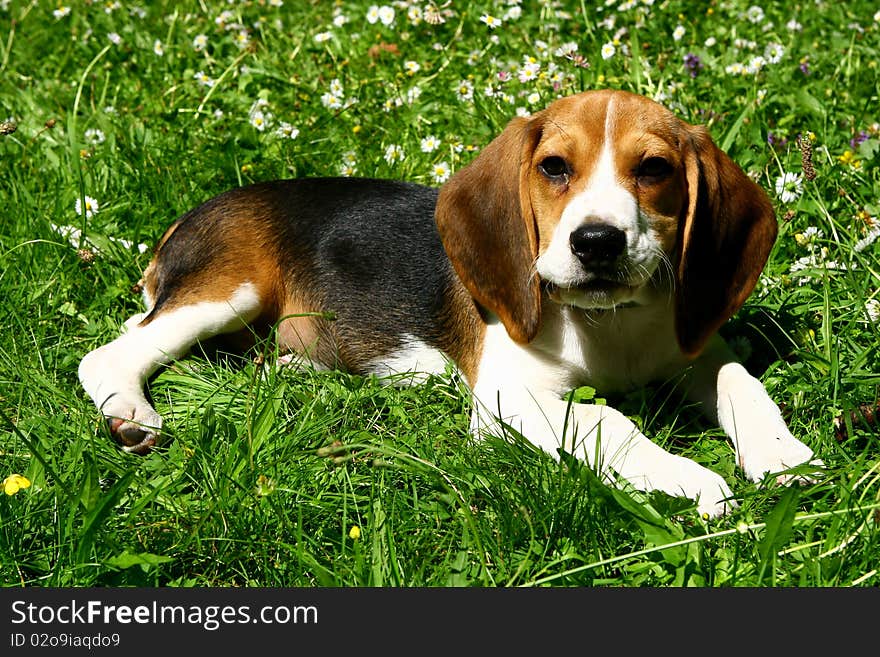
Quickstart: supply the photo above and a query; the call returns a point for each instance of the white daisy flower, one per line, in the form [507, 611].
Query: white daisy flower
[386, 15]
[204, 79]
[871, 237]
[393, 153]
[286, 130]
[491, 21]
[349, 158]
[774, 52]
[755, 64]
[94, 136]
[430, 144]
[440, 173]
[755, 14]
[242, 39]
[789, 187]
[259, 120]
[529, 70]
[331, 101]
[91, 207]
[414, 14]
[465, 90]
[566, 49]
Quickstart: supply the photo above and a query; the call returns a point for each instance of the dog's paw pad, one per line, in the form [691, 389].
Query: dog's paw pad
[135, 430]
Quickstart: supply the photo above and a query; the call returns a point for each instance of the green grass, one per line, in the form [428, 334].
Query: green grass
[266, 472]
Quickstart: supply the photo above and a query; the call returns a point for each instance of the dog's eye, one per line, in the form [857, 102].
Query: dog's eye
[554, 168]
[654, 169]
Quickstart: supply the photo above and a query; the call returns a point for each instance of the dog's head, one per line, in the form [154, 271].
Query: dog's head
[602, 197]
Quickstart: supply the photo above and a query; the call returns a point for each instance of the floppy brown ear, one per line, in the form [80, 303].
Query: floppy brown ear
[487, 226]
[727, 235]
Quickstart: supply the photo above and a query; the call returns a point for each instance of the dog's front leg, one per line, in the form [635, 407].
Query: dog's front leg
[605, 438]
[740, 404]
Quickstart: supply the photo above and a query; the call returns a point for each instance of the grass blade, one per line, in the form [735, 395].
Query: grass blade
[98, 514]
[778, 529]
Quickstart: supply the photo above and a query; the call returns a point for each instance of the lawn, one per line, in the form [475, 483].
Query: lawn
[118, 117]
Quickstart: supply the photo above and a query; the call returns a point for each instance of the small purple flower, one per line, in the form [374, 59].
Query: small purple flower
[858, 139]
[805, 66]
[693, 64]
[775, 140]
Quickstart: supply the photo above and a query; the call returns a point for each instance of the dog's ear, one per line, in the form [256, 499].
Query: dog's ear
[726, 236]
[487, 226]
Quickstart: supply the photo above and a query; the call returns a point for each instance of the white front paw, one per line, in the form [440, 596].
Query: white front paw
[682, 477]
[774, 455]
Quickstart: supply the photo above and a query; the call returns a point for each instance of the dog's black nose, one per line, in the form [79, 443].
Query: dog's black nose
[597, 244]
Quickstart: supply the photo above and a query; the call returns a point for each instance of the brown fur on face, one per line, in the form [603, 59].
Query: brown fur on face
[575, 131]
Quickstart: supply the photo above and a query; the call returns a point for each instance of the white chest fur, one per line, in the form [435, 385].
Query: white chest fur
[613, 350]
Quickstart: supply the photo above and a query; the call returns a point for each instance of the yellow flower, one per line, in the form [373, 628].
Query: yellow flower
[354, 533]
[14, 483]
[849, 158]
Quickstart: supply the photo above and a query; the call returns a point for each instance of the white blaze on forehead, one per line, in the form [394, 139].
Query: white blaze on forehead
[603, 199]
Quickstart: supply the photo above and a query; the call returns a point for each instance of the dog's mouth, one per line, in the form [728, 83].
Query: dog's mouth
[597, 293]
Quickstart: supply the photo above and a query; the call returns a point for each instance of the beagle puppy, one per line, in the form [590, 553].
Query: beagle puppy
[601, 241]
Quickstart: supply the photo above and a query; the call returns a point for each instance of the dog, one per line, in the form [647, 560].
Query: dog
[601, 241]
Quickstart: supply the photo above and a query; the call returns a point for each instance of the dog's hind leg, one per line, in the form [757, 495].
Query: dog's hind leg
[114, 374]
